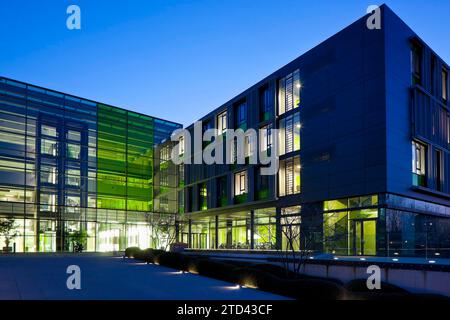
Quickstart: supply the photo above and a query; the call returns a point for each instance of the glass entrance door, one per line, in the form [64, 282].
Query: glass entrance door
[199, 241]
[364, 237]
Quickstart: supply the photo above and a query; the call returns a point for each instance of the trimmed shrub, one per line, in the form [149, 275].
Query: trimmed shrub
[173, 260]
[254, 278]
[360, 285]
[148, 255]
[131, 251]
[310, 289]
[214, 269]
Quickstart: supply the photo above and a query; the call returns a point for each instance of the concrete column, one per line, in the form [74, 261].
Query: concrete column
[278, 232]
[252, 229]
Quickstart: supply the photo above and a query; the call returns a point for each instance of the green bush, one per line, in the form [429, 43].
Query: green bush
[147, 255]
[173, 260]
[131, 251]
[214, 269]
[150, 257]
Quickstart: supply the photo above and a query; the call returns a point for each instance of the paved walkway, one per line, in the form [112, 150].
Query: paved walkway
[102, 277]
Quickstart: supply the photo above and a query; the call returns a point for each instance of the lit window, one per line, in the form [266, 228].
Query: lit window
[222, 123]
[240, 183]
[49, 131]
[289, 134]
[289, 176]
[74, 135]
[73, 177]
[203, 197]
[248, 147]
[73, 151]
[266, 138]
[181, 145]
[289, 92]
[73, 204]
[49, 174]
[49, 147]
[48, 202]
[419, 164]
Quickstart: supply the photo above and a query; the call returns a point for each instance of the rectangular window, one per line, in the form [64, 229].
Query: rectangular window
[222, 191]
[444, 85]
[265, 138]
[416, 64]
[438, 159]
[289, 134]
[49, 174]
[222, 123]
[49, 131]
[248, 151]
[73, 204]
[48, 202]
[73, 135]
[240, 183]
[73, 177]
[203, 197]
[49, 147]
[289, 92]
[181, 145]
[265, 103]
[263, 185]
[73, 151]
[419, 164]
[289, 176]
[241, 114]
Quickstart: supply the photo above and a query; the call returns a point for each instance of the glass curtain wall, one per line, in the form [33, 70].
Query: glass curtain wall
[60, 179]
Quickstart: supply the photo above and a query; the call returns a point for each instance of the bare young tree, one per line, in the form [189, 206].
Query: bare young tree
[163, 230]
[305, 235]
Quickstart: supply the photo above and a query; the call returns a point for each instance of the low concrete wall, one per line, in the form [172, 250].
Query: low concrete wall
[418, 281]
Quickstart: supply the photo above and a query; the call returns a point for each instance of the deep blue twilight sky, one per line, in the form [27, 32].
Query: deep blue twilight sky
[179, 60]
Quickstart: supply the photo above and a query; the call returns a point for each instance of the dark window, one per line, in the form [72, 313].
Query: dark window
[222, 198]
[265, 103]
[262, 181]
[241, 113]
[444, 85]
[433, 75]
[416, 64]
[438, 157]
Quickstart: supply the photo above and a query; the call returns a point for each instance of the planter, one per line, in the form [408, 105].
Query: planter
[7, 249]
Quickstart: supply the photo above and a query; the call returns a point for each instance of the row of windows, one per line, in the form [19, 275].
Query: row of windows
[417, 71]
[289, 183]
[421, 164]
[288, 99]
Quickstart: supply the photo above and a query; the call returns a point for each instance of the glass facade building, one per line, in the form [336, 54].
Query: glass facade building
[360, 125]
[70, 165]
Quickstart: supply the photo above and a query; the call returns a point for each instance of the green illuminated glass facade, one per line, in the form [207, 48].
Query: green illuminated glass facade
[71, 169]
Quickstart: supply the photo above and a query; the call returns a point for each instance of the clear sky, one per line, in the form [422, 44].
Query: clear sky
[178, 60]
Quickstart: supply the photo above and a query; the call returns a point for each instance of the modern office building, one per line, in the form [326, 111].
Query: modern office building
[364, 142]
[363, 137]
[69, 164]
